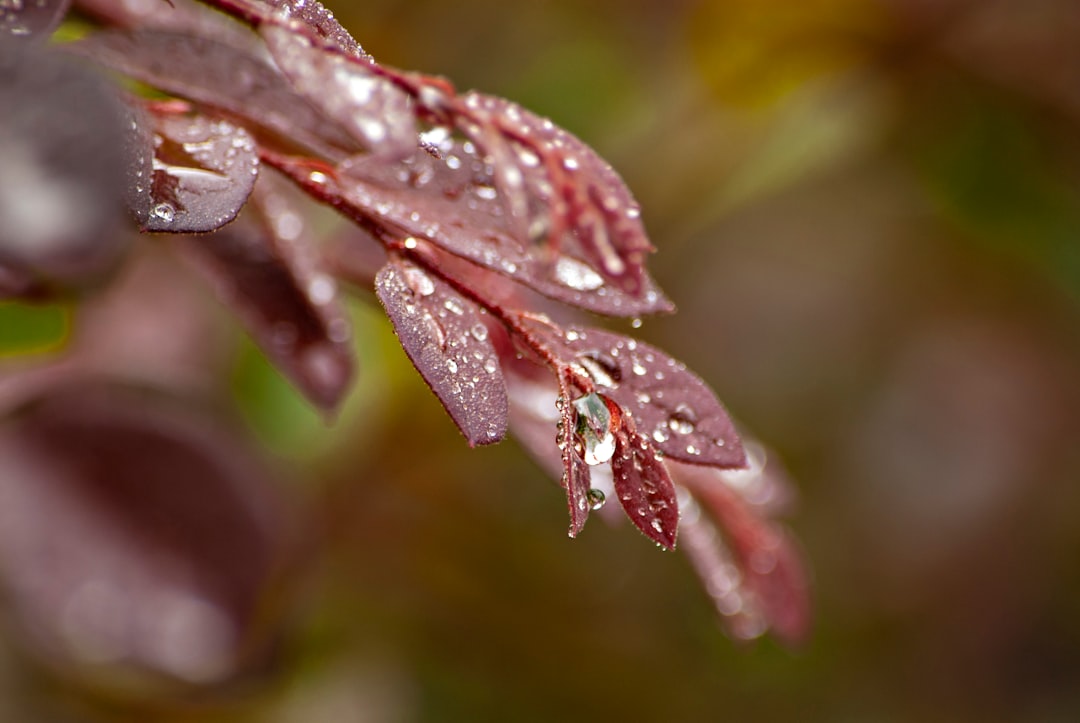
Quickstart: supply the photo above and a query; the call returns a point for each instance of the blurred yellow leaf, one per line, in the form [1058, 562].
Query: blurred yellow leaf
[752, 53]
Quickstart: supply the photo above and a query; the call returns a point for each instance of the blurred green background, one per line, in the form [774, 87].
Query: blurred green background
[868, 213]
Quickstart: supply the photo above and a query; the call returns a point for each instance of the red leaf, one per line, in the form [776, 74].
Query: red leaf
[203, 172]
[576, 475]
[268, 277]
[452, 201]
[584, 202]
[349, 89]
[670, 405]
[644, 487]
[447, 340]
[220, 76]
[757, 579]
[320, 20]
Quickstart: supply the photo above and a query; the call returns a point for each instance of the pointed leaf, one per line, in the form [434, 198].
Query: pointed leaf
[576, 476]
[447, 340]
[203, 173]
[349, 89]
[585, 202]
[644, 487]
[670, 405]
[769, 587]
[220, 76]
[267, 276]
[317, 18]
[452, 201]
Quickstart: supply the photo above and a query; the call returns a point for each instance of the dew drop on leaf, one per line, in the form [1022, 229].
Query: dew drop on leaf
[596, 499]
[594, 428]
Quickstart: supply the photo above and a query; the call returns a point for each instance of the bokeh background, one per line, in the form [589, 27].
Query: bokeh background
[868, 213]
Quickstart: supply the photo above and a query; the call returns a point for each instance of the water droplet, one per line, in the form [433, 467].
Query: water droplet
[410, 242]
[601, 368]
[577, 275]
[488, 193]
[638, 369]
[570, 164]
[572, 335]
[636, 323]
[683, 419]
[418, 281]
[691, 449]
[594, 428]
[657, 525]
[451, 366]
[318, 178]
[660, 435]
[491, 365]
[596, 498]
[164, 212]
[454, 307]
[479, 332]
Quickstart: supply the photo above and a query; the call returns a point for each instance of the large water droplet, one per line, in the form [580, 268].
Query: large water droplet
[596, 498]
[418, 281]
[164, 212]
[683, 419]
[577, 275]
[594, 428]
[602, 368]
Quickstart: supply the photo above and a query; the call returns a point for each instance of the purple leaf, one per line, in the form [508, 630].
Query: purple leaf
[757, 579]
[349, 89]
[670, 405]
[31, 18]
[576, 476]
[584, 202]
[453, 202]
[219, 76]
[448, 342]
[203, 172]
[320, 20]
[644, 487]
[62, 171]
[138, 533]
[268, 277]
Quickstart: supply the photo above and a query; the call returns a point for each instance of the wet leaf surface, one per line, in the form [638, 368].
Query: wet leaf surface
[317, 18]
[266, 273]
[203, 172]
[135, 533]
[583, 201]
[348, 89]
[452, 201]
[669, 404]
[219, 76]
[576, 474]
[448, 342]
[644, 487]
